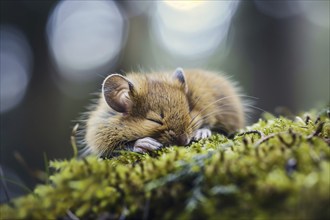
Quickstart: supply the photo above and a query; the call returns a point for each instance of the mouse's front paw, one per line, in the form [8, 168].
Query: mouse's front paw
[146, 144]
[202, 133]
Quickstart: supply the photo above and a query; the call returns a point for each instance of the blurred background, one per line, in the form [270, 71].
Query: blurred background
[55, 54]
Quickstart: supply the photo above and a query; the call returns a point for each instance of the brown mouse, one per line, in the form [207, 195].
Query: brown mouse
[144, 112]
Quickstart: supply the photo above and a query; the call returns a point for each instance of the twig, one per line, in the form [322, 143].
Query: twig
[293, 135]
[264, 139]
[47, 168]
[71, 215]
[261, 134]
[316, 132]
[123, 214]
[308, 118]
[73, 140]
[4, 184]
[146, 209]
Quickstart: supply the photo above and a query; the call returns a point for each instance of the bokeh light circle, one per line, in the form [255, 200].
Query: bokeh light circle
[85, 37]
[15, 67]
[192, 29]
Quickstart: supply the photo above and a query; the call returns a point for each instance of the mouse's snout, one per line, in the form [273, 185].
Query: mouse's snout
[183, 140]
[172, 138]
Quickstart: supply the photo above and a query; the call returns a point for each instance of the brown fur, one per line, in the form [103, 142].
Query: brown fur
[164, 110]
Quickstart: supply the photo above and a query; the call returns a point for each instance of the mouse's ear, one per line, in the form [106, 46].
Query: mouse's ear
[116, 90]
[179, 75]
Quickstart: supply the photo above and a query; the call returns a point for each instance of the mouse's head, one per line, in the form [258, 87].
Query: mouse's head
[152, 106]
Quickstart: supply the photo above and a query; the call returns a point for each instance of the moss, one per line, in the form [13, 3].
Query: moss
[275, 169]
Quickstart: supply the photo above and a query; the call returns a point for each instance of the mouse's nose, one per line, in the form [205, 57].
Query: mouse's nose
[183, 140]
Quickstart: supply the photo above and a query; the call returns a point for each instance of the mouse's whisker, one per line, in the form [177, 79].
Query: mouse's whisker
[248, 108]
[254, 107]
[201, 111]
[218, 100]
[193, 105]
[195, 123]
[200, 120]
[227, 113]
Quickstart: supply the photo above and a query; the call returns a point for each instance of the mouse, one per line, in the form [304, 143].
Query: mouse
[143, 112]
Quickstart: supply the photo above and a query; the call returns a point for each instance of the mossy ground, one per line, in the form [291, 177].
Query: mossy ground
[275, 169]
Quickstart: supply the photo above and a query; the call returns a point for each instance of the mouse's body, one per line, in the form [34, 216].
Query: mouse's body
[144, 112]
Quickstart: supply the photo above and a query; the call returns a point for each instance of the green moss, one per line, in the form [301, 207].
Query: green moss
[275, 169]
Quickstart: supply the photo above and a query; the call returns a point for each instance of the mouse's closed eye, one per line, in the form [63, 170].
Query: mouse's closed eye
[156, 118]
[156, 121]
